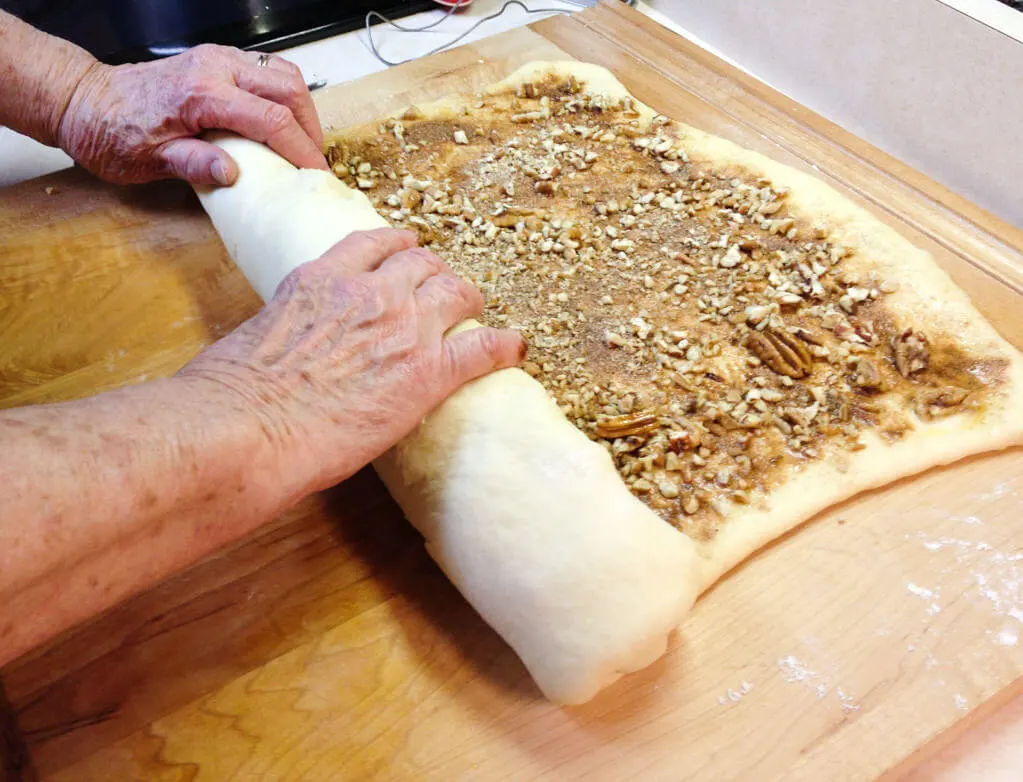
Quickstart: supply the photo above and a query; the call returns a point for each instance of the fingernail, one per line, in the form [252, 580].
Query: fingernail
[220, 173]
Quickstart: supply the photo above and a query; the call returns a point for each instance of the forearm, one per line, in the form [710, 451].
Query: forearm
[38, 75]
[103, 497]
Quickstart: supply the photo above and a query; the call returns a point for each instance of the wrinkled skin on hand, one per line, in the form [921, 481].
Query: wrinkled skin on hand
[350, 355]
[136, 123]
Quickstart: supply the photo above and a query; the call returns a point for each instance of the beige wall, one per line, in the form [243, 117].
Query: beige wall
[916, 78]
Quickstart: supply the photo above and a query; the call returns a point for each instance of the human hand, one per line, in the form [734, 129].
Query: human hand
[350, 355]
[136, 123]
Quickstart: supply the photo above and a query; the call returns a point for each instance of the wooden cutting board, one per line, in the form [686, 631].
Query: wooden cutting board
[329, 647]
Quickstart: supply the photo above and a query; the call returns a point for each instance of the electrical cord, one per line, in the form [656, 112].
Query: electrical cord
[451, 9]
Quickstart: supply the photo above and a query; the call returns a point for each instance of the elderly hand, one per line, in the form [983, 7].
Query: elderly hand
[350, 355]
[136, 123]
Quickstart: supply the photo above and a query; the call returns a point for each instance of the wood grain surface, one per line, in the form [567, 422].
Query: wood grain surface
[328, 646]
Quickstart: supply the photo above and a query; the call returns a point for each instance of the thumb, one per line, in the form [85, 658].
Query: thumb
[197, 162]
[479, 351]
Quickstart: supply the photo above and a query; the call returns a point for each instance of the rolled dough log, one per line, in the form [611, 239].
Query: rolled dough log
[526, 516]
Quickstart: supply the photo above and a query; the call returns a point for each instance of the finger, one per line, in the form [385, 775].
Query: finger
[364, 251]
[195, 161]
[274, 61]
[445, 300]
[477, 352]
[284, 85]
[409, 269]
[261, 120]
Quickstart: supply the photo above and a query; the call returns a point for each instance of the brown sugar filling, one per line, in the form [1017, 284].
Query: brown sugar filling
[679, 315]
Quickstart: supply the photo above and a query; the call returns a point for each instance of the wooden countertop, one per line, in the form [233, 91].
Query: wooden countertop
[328, 646]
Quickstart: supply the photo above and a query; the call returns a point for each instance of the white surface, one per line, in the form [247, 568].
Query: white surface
[924, 81]
[998, 16]
[22, 158]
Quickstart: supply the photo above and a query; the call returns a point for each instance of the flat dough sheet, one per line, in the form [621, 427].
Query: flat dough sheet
[526, 515]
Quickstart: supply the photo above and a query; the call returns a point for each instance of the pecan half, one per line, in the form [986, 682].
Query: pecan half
[626, 425]
[912, 351]
[781, 352]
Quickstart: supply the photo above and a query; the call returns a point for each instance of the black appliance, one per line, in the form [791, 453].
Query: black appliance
[117, 31]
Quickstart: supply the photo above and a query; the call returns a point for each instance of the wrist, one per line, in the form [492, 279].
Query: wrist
[42, 73]
[79, 79]
[241, 422]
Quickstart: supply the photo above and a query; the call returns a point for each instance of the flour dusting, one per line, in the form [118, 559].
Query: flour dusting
[848, 702]
[995, 577]
[796, 671]
[997, 492]
[930, 595]
[1007, 636]
[966, 519]
[734, 696]
[919, 591]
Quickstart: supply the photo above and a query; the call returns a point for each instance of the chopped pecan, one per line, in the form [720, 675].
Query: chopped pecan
[864, 414]
[782, 352]
[426, 232]
[803, 416]
[685, 440]
[337, 153]
[627, 444]
[867, 376]
[911, 350]
[845, 332]
[527, 90]
[507, 220]
[865, 330]
[526, 211]
[939, 402]
[807, 336]
[410, 198]
[530, 116]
